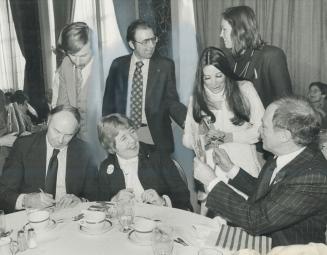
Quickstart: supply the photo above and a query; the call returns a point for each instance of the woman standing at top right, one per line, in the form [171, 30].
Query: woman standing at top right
[264, 65]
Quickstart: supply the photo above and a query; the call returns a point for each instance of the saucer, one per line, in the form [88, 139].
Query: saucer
[52, 224]
[107, 226]
[135, 239]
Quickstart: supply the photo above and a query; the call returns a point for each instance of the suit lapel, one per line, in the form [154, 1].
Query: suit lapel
[116, 180]
[123, 85]
[152, 85]
[39, 164]
[70, 82]
[291, 169]
[294, 167]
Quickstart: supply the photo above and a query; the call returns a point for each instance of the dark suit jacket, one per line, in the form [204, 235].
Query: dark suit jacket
[24, 170]
[161, 99]
[291, 211]
[268, 72]
[155, 171]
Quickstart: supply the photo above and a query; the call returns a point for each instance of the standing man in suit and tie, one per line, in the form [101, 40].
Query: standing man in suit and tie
[77, 81]
[55, 162]
[142, 86]
[288, 201]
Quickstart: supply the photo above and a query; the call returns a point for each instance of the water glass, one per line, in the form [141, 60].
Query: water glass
[2, 222]
[125, 212]
[162, 240]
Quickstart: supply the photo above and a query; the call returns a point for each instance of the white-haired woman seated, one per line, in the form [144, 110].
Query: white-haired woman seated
[132, 169]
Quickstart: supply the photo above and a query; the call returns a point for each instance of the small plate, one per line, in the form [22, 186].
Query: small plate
[107, 226]
[135, 239]
[52, 224]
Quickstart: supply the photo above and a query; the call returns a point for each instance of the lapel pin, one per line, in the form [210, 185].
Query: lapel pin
[110, 169]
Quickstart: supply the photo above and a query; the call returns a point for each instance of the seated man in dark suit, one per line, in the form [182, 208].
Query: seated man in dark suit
[288, 201]
[132, 170]
[48, 167]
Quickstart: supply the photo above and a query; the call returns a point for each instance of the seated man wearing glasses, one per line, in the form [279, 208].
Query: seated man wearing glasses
[131, 170]
[143, 87]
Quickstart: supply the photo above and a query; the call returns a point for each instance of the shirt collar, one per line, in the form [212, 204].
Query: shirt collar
[136, 59]
[283, 160]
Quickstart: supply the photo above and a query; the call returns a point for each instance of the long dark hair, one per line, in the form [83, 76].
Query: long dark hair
[235, 100]
[245, 34]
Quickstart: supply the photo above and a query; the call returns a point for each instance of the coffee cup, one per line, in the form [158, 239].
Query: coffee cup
[38, 219]
[143, 228]
[93, 220]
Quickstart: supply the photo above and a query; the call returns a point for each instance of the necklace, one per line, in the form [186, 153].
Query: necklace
[244, 71]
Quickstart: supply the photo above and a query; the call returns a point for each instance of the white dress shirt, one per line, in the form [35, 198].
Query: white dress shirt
[61, 173]
[86, 72]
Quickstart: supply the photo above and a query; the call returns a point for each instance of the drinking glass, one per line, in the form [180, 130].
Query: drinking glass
[162, 240]
[125, 212]
[2, 222]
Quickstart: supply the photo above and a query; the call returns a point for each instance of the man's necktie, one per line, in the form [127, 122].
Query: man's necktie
[79, 81]
[137, 96]
[51, 178]
[267, 171]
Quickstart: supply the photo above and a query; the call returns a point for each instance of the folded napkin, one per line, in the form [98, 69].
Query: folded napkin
[235, 239]
[197, 235]
[247, 252]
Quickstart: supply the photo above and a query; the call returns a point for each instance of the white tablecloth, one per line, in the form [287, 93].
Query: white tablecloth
[66, 239]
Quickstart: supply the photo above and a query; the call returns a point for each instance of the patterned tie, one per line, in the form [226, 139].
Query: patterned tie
[51, 178]
[79, 81]
[137, 96]
[267, 171]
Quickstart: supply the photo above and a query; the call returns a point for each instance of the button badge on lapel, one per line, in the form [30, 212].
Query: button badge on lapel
[110, 169]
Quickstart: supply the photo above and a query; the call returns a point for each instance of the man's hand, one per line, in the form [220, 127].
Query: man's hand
[221, 158]
[37, 200]
[151, 196]
[203, 172]
[68, 200]
[8, 140]
[124, 194]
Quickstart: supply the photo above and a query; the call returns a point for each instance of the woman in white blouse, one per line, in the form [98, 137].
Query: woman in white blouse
[224, 111]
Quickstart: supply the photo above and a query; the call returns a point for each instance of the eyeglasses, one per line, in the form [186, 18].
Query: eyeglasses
[153, 40]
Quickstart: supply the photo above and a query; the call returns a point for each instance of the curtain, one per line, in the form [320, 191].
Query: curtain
[130, 10]
[298, 27]
[63, 11]
[185, 57]
[26, 19]
[12, 61]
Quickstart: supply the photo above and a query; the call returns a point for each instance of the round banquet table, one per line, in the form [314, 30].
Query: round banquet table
[67, 239]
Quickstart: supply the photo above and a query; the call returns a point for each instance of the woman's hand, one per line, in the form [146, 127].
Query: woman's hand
[217, 137]
[151, 196]
[203, 172]
[124, 194]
